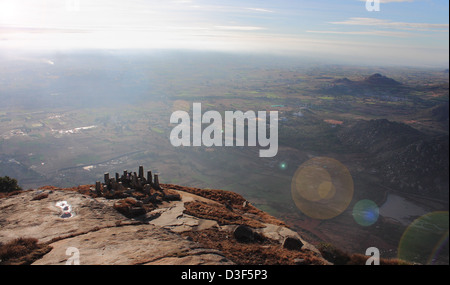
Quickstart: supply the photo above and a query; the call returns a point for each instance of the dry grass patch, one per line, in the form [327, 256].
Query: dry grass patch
[263, 252]
[219, 213]
[339, 257]
[22, 251]
[231, 199]
[40, 196]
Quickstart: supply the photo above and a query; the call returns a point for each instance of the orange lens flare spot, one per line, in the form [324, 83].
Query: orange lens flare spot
[322, 188]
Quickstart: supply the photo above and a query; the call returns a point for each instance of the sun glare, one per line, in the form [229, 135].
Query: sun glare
[9, 13]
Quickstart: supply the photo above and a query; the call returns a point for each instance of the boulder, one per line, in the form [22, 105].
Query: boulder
[292, 243]
[244, 234]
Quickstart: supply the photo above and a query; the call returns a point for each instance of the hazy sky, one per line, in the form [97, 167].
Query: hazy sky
[409, 32]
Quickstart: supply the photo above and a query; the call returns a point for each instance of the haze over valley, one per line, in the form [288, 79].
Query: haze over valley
[68, 118]
[361, 96]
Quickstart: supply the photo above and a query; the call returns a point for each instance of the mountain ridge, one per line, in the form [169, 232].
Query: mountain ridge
[375, 85]
[407, 159]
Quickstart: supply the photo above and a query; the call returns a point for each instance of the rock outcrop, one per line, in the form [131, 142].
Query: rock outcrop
[190, 227]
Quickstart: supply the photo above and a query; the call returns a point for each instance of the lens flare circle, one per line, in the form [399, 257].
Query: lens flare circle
[322, 188]
[426, 239]
[283, 166]
[366, 212]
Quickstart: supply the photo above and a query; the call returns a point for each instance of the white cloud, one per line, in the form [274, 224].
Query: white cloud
[366, 33]
[240, 28]
[260, 10]
[380, 23]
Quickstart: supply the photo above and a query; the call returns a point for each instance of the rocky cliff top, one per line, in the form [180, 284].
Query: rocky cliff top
[171, 225]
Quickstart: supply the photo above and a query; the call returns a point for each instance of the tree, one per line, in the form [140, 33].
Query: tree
[8, 184]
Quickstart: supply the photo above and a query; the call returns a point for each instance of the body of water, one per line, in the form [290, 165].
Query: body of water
[400, 209]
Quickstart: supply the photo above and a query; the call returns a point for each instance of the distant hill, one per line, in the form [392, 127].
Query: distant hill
[440, 113]
[406, 158]
[373, 85]
[379, 135]
[374, 79]
[344, 80]
[379, 79]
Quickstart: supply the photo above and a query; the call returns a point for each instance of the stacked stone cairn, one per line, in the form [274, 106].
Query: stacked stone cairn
[139, 193]
[128, 181]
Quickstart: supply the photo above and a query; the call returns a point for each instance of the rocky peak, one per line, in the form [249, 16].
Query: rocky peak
[142, 222]
[379, 79]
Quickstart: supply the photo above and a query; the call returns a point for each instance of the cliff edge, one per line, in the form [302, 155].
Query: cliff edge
[114, 224]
